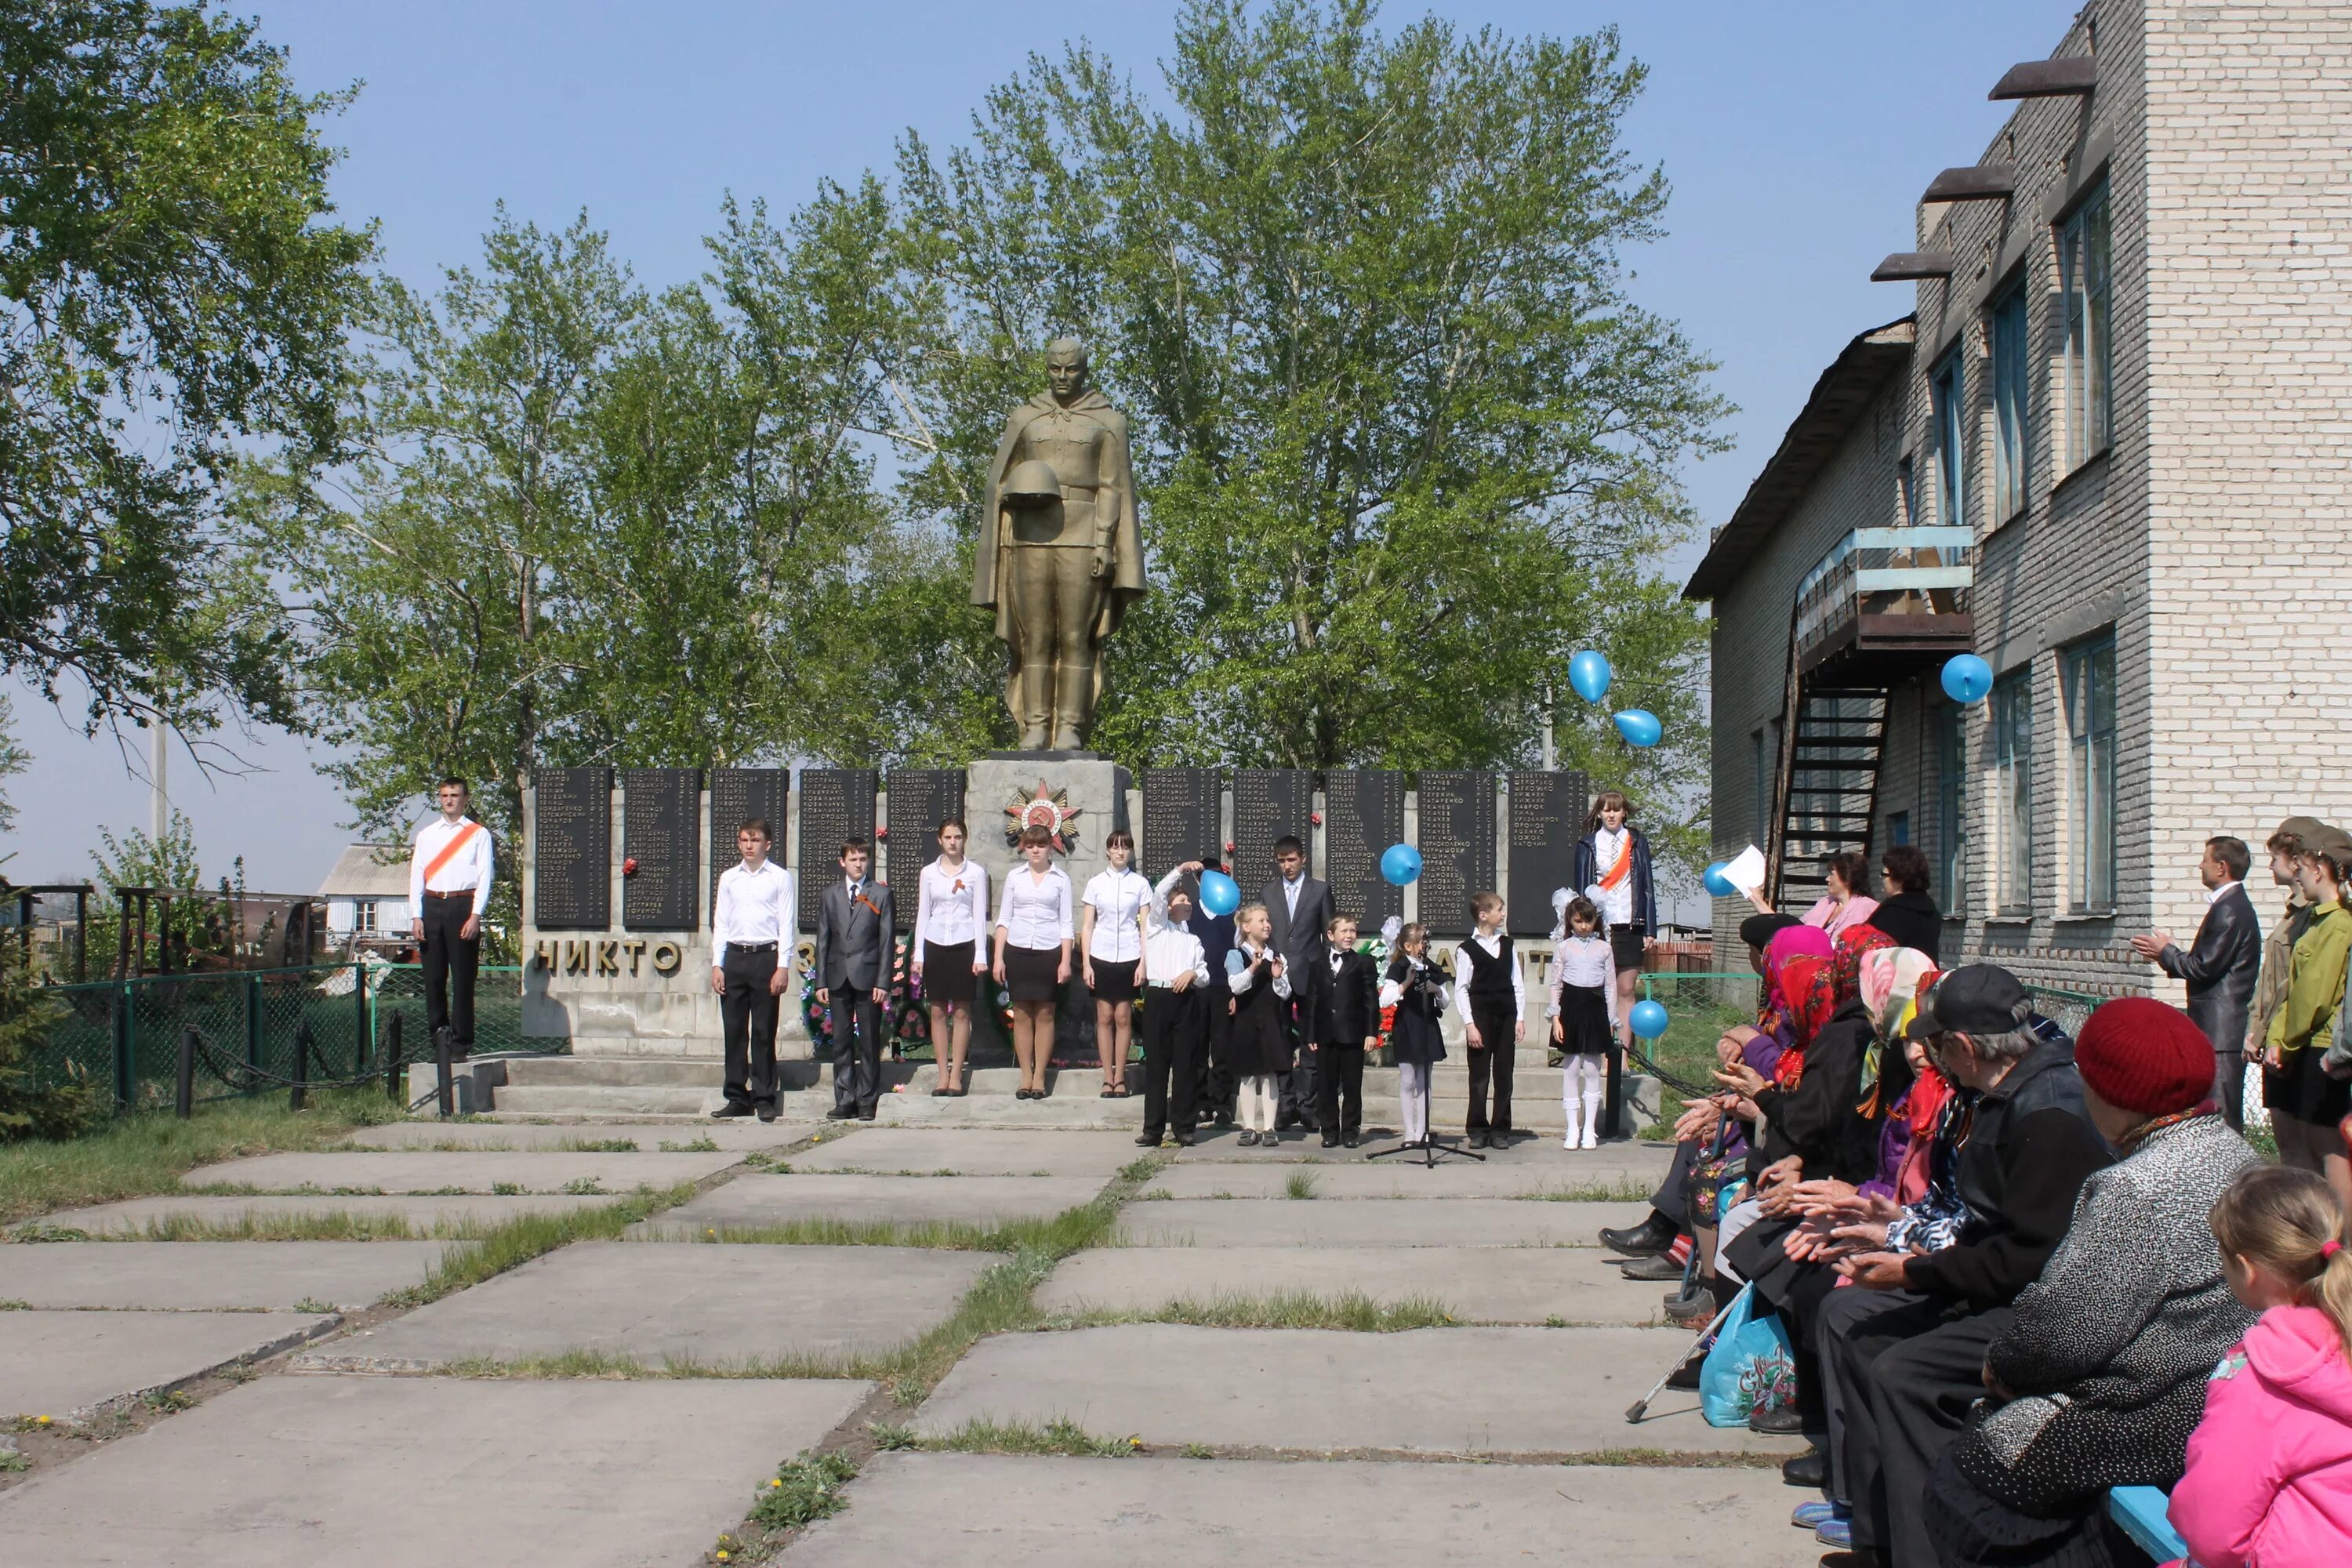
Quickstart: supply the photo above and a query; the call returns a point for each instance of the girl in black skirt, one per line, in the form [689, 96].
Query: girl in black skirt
[1415, 987]
[1258, 1048]
[1583, 1008]
[950, 948]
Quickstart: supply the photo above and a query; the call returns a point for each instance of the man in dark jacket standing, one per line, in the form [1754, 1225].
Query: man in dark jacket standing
[2221, 967]
[1300, 906]
[854, 927]
[1904, 1354]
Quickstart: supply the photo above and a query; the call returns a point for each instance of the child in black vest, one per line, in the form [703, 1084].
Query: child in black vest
[1491, 1001]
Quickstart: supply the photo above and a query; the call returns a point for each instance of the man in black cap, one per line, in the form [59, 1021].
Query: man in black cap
[1903, 1356]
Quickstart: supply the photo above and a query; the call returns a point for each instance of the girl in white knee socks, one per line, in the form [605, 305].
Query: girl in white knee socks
[1416, 989]
[1584, 1016]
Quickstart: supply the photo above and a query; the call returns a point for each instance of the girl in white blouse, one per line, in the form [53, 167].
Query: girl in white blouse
[1583, 1018]
[1111, 941]
[950, 913]
[1033, 955]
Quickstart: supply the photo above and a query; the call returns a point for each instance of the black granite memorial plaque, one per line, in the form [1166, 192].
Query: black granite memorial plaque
[661, 830]
[1183, 818]
[921, 799]
[738, 796]
[1456, 841]
[571, 849]
[1363, 814]
[1547, 817]
[836, 803]
[1267, 804]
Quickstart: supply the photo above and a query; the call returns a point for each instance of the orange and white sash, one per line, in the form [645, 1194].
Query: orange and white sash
[1614, 878]
[458, 840]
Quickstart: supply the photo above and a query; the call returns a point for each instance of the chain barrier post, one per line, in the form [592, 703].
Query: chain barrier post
[253, 1023]
[391, 1054]
[300, 1094]
[361, 1033]
[442, 1068]
[184, 1103]
[125, 1028]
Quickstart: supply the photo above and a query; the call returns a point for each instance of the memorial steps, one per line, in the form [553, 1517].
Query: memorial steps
[687, 1087]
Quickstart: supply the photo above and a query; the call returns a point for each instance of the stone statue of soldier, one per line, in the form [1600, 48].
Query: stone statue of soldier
[1060, 555]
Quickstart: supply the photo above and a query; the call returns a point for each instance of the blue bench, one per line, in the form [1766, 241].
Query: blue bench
[2141, 1512]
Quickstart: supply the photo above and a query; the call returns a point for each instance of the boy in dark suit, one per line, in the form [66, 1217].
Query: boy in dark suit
[1343, 1013]
[853, 926]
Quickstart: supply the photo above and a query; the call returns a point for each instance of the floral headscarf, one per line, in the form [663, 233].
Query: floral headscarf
[1813, 989]
[1787, 944]
[1890, 977]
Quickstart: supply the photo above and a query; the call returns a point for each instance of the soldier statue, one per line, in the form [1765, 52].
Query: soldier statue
[1060, 556]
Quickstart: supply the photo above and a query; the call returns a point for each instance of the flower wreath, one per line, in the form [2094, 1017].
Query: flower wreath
[905, 1020]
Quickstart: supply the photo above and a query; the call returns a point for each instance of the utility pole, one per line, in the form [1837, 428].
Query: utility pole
[159, 742]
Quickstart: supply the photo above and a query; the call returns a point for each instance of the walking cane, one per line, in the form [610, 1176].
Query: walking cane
[1641, 1407]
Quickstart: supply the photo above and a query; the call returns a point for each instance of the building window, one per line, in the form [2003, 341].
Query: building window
[2013, 793]
[1951, 803]
[1898, 827]
[2012, 446]
[2085, 287]
[1951, 466]
[2090, 671]
[363, 917]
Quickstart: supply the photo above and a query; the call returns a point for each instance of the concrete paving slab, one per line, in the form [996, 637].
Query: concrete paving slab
[1505, 1177]
[757, 1199]
[443, 1217]
[58, 1364]
[973, 1151]
[1477, 1285]
[360, 1472]
[1430, 1391]
[649, 1137]
[1405, 1222]
[1179, 1513]
[214, 1276]
[473, 1170]
[721, 1308]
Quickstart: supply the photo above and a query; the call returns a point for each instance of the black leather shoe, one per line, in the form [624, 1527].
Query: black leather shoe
[1351, 1139]
[1647, 1239]
[767, 1113]
[1660, 1268]
[839, 1113]
[1810, 1469]
[1183, 1139]
[1147, 1141]
[1782, 1423]
[730, 1110]
[1330, 1141]
[1476, 1139]
[865, 1116]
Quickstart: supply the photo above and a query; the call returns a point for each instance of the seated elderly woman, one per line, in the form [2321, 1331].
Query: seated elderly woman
[2101, 1377]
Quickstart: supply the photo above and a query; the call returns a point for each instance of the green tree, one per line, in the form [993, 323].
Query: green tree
[13, 760]
[177, 294]
[1405, 440]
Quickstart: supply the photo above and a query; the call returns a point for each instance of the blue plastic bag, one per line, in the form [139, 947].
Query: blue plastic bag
[1749, 1369]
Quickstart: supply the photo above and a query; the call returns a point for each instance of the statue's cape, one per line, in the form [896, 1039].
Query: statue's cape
[1116, 497]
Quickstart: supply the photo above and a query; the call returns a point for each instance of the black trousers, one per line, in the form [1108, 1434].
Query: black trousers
[2230, 1088]
[1342, 1103]
[1905, 1379]
[1218, 1085]
[1495, 1063]
[1175, 1026]
[856, 1048]
[450, 964]
[1297, 1101]
[1673, 1197]
[750, 1015]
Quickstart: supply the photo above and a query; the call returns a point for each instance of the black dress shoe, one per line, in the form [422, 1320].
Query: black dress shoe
[1811, 1469]
[767, 1113]
[1148, 1141]
[839, 1113]
[1351, 1139]
[865, 1116]
[730, 1110]
[1784, 1422]
[1478, 1138]
[1183, 1139]
[1660, 1267]
[1330, 1141]
[1652, 1237]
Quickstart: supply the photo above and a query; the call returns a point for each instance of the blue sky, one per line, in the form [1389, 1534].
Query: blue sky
[1796, 138]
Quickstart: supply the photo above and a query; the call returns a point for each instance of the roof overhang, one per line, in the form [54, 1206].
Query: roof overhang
[1836, 404]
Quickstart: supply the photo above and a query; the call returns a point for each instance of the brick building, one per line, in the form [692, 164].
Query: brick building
[2109, 450]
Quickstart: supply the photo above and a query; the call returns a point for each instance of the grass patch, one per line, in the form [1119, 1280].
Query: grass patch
[11, 1461]
[146, 1154]
[334, 1224]
[890, 1437]
[692, 1146]
[1298, 1185]
[501, 1247]
[805, 1490]
[312, 1304]
[1352, 1310]
[1197, 1451]
[1063, 1436]
[1623, 1191]
[583, 1187]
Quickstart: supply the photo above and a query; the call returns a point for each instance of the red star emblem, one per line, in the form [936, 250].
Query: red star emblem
[1049, 809]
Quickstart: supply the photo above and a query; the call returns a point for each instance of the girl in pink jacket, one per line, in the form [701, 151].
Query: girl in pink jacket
[2268, 1483]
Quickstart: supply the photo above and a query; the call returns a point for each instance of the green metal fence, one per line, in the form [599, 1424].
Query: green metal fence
[258, 1030]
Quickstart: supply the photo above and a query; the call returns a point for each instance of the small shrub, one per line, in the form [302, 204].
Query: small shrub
[583, 1186]
[891, 1438]
[1298, 1185]
[312, 1304]
[506, 1189]
[805, 1490]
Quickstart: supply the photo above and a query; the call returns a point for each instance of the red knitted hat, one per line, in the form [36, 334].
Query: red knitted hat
[2137, 1054]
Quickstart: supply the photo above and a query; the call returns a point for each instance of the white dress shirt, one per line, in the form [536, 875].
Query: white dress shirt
[1585, 960]
[1616, 904]
[2215, 895]
[1393, 991]
[1491, 945]
[1241, 970]
[1035, 912]
[952, 907]
[751, 908]
[1170, 951]
[1118, 899]
[468, 869]
[1290, 893]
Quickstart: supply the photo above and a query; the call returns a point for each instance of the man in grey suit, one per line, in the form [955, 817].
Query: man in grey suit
[854, 927]
[1300, 908]
[2221, 967]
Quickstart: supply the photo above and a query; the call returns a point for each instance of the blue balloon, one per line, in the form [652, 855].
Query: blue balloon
[1716, 882]
[1399, 863]
[1649, 1019]
[1589, 673]
[1220, 894]
[1966, 677]
[1640, 727]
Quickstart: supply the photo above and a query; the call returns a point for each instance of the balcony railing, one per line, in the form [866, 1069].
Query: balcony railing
[1892, 586]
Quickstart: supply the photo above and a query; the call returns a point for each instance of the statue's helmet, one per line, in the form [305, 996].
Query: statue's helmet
[1030, 481]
